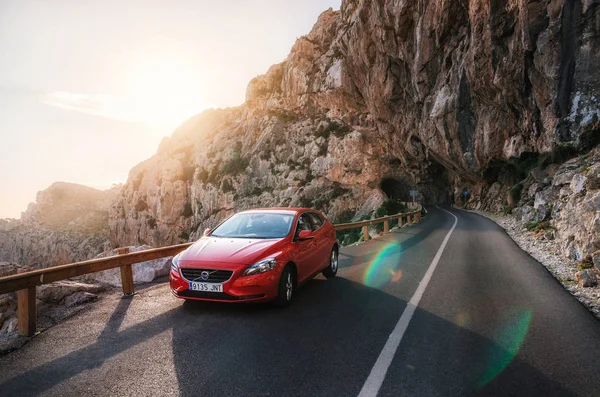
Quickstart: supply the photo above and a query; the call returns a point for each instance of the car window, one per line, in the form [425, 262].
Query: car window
[255, 225]
[303, 224]
[315, 220]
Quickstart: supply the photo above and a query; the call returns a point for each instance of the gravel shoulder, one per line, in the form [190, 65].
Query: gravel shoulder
[548, 253]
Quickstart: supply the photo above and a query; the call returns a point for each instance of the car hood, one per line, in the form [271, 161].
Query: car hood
[228, 250]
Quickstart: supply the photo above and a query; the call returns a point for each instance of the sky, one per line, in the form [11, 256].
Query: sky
[89, 88]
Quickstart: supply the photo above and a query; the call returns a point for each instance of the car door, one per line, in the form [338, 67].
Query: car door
[321, 241]
[305, 252]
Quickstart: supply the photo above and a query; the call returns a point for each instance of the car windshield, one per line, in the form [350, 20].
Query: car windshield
[255, 225]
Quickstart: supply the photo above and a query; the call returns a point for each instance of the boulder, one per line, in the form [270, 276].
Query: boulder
[79, 298]
[596, 259]
[563, 177]
[8, 268]
[56, 292]
[540, 175]
[586, 278]
[593, 177]
[578, 183]
[143, 272]
[9, 326]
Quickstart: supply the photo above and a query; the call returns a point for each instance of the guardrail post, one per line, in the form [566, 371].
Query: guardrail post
[386, 226]
[400, 221]
[366, 233]
[408, 221]
[26, 312]
[126, 274]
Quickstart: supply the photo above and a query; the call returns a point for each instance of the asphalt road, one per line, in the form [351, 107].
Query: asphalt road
[492, 321]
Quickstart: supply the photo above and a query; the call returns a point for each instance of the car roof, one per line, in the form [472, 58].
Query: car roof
[279, 210]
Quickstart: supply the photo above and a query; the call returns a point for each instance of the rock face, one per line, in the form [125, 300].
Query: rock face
[568, 200]
[379, 98]
[68, 223]
[586, 278]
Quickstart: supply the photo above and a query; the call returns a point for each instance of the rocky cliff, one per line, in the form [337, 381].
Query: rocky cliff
[380, 97]
[384, 96]
[68, 223]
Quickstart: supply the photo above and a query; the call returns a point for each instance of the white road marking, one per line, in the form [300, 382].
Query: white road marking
[379, 370]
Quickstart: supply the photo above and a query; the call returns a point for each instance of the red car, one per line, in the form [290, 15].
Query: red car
[257, 255]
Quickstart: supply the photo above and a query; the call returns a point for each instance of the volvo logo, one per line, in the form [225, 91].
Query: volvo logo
[204, 275]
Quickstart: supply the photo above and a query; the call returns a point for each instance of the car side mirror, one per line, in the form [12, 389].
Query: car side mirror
[305, 235]
[206, 232]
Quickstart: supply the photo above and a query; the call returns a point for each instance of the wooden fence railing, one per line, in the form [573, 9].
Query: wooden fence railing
[25, 283]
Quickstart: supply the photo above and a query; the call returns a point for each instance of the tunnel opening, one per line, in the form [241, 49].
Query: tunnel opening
[395, 189]
[435, 184]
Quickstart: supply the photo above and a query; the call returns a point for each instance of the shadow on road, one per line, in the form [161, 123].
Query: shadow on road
[324, 344]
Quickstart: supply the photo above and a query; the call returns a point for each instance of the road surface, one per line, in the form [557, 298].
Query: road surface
[490, 321]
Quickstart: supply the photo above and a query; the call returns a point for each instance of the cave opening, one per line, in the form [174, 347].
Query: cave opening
[395, 189]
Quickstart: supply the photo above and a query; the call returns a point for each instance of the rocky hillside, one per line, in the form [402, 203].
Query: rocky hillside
[67, 223]
[381, 97]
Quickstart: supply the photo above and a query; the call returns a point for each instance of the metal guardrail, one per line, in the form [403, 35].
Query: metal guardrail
[25, 283]
[415, 214]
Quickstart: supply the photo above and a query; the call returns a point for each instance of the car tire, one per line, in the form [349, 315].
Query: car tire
[287, 287]
[331, 270]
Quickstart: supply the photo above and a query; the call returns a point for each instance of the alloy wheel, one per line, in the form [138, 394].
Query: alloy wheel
[334, 260]
[289, 286]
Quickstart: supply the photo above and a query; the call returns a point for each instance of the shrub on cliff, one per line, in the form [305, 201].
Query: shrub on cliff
[236, 164]
[388, 207]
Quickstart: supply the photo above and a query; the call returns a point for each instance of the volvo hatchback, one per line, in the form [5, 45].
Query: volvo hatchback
[257, 255]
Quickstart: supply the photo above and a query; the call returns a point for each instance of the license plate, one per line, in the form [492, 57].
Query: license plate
[206, 287]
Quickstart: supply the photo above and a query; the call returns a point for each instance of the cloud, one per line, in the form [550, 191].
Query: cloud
[164, 108]
[97, 105]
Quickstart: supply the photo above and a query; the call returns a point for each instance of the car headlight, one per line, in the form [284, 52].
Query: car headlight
[260, 267]
[175, 264]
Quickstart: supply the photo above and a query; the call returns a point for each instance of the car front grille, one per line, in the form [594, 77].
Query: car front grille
[216, 295]
[214, 276]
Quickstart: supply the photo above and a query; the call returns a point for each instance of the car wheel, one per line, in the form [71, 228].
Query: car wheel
[286, 287]
[331, 270]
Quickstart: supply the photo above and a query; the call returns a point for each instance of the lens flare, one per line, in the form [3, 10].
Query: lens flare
[384, 267]
[507, 344]
[463, 320]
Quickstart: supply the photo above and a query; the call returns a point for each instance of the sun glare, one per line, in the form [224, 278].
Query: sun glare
[164, 93]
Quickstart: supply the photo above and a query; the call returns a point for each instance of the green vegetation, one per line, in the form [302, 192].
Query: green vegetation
[188, 173]
[388, 207]
[235, 165]
[349, 236]
[266, 154]
[284, 116]
[151, 222]
[141, 205]
[226, 186]
[323, 149]
[187, 210]
[203, 175]
[184, 236]
[515, 192]
[335, 128]
[528, 160]
[538, 226]
[585, 263]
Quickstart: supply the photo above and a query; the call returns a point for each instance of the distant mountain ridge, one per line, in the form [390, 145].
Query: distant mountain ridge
[67, 223]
